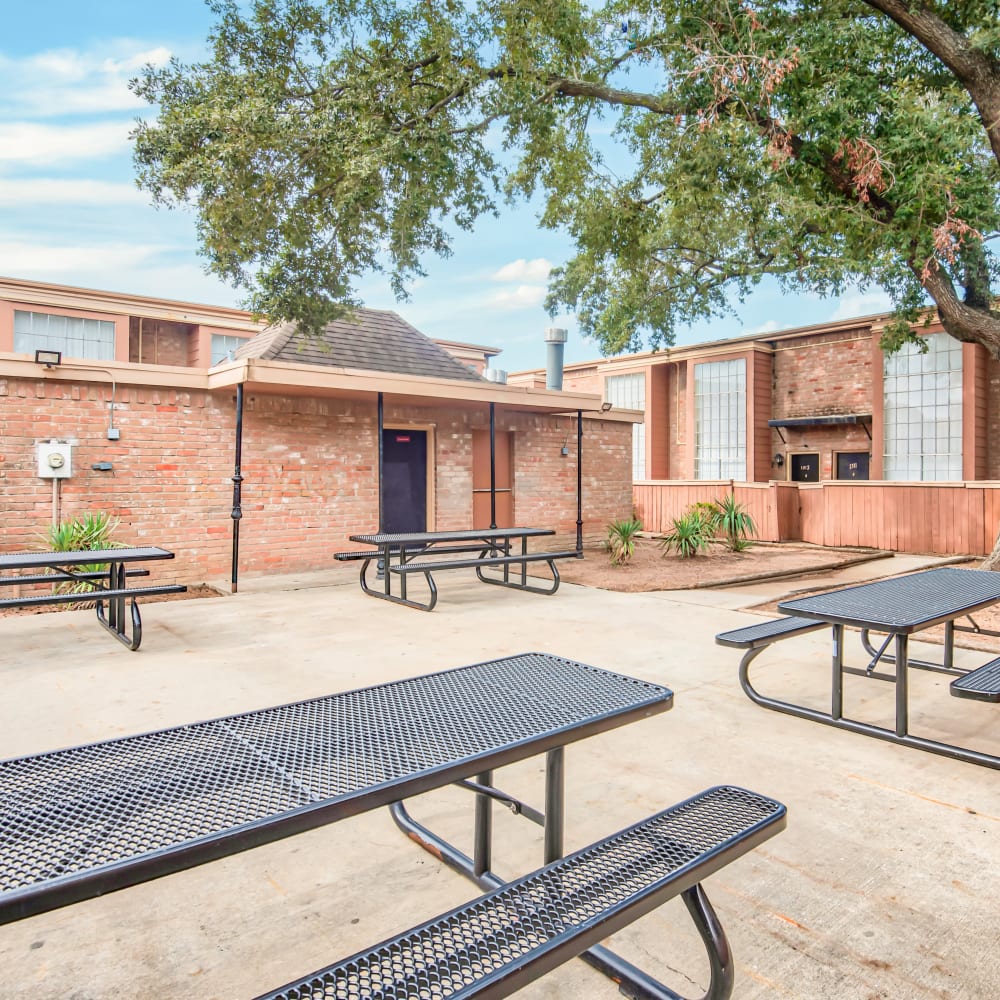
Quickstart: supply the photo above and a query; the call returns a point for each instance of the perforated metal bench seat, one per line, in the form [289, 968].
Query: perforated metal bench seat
[90, 595]
[982, 684]
[504, 940]
[763, 634]
[348, 556]
[427, 567]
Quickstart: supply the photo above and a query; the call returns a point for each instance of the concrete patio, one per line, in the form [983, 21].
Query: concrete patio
[884, 885]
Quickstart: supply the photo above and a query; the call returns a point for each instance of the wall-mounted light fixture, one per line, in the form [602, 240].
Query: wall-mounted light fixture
[779, 460]
[605, 407]
[48, 358]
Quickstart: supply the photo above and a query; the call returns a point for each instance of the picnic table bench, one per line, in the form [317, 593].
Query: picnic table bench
[81, 822]
[400, 554]
[106, 588]
[899, 607]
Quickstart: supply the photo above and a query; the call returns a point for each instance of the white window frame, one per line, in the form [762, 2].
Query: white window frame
[720, 420]
[628, 392]
[922, 412]
[84, 337]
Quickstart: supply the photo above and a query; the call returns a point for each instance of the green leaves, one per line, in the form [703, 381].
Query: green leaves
[704, 145]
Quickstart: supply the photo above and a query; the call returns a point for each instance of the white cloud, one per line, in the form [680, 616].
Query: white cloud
[44, 191]
[861, 304]
[521, 297]
[767, 327]
[71, 81]
[524, 270]
[28, 143]
[34, 259]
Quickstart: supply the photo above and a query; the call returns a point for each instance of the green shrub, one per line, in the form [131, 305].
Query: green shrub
[734, 523]
[91, 531]
[621, 540]
[690, 535]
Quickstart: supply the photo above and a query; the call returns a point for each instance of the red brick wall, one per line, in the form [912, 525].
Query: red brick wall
[309, 467]
[821, 376]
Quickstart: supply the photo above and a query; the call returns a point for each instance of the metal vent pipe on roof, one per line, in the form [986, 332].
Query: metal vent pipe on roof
[555, 341]
[497, 375]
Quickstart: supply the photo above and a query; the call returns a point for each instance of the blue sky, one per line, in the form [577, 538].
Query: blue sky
[72, 214]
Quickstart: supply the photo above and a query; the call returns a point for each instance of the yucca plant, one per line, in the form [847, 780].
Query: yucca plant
[734, 523]
[91, 531]
[690, 535]
[621, 540]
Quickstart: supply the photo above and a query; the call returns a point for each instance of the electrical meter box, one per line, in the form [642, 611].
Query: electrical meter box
[55, 460]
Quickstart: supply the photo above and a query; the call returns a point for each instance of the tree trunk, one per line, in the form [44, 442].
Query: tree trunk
[992, 561]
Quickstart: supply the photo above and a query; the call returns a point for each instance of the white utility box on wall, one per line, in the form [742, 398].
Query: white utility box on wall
[55, 460]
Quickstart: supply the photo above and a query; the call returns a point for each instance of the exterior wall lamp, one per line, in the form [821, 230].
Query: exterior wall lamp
[779, 460]
[605, 407]
[48, 358]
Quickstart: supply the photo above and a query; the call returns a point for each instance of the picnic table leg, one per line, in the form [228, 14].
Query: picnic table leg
[482, 853]
[118, 607]
[902, 684]
[837, 699]
[631, 980]
[555, 804]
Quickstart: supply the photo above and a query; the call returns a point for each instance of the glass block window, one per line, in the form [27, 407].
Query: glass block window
[923, 412]
[222, 344]
[75, 336]
[720, 420]
[628, 392]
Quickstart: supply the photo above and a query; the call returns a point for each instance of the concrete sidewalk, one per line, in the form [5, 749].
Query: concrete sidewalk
[884, 885]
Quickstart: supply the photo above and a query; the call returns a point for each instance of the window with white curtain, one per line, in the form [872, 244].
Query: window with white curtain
[923, 411]
[720, 420]
[628, 392]
[75, 336]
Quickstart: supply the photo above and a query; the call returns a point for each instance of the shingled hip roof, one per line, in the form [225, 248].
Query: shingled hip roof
[369, 340]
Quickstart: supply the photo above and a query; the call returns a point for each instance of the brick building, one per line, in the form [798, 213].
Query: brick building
[811, 404]
[144, 393]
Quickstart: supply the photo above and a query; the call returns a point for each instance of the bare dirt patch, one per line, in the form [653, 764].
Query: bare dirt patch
[649, 569]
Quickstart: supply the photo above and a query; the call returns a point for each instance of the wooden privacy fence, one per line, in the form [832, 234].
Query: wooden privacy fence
[938, 518]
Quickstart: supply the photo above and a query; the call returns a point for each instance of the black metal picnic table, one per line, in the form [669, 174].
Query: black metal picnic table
[900, 607]
[81, 822]
[107, 584]
[399, 554]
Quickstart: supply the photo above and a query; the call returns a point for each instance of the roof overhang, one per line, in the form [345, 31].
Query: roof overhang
[283, 378]
[837, 418]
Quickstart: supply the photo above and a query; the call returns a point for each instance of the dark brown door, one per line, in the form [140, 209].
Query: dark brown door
[852, 465]
[804, 468]
[404, 480]
[481, 479]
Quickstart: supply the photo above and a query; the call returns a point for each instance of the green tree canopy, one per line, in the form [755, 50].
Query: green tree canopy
[689, 148]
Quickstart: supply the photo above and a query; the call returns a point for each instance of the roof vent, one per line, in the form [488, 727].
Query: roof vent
[497, 375]
[555, 341]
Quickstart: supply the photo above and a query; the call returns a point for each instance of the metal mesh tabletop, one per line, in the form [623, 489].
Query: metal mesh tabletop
[77, 822]
[905, 603]
[34, 560]
[429, 537]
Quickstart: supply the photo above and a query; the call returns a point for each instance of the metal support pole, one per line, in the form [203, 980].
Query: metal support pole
[482, 853]
[579, 482]
[493, 466]
[554, 804]
[381, 502]
[837, 681]
[237, 514]
[902, 683]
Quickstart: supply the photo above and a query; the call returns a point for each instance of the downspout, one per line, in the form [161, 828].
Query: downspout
[381, 501]
[493, 466]
[237, 477]
[579, 484]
